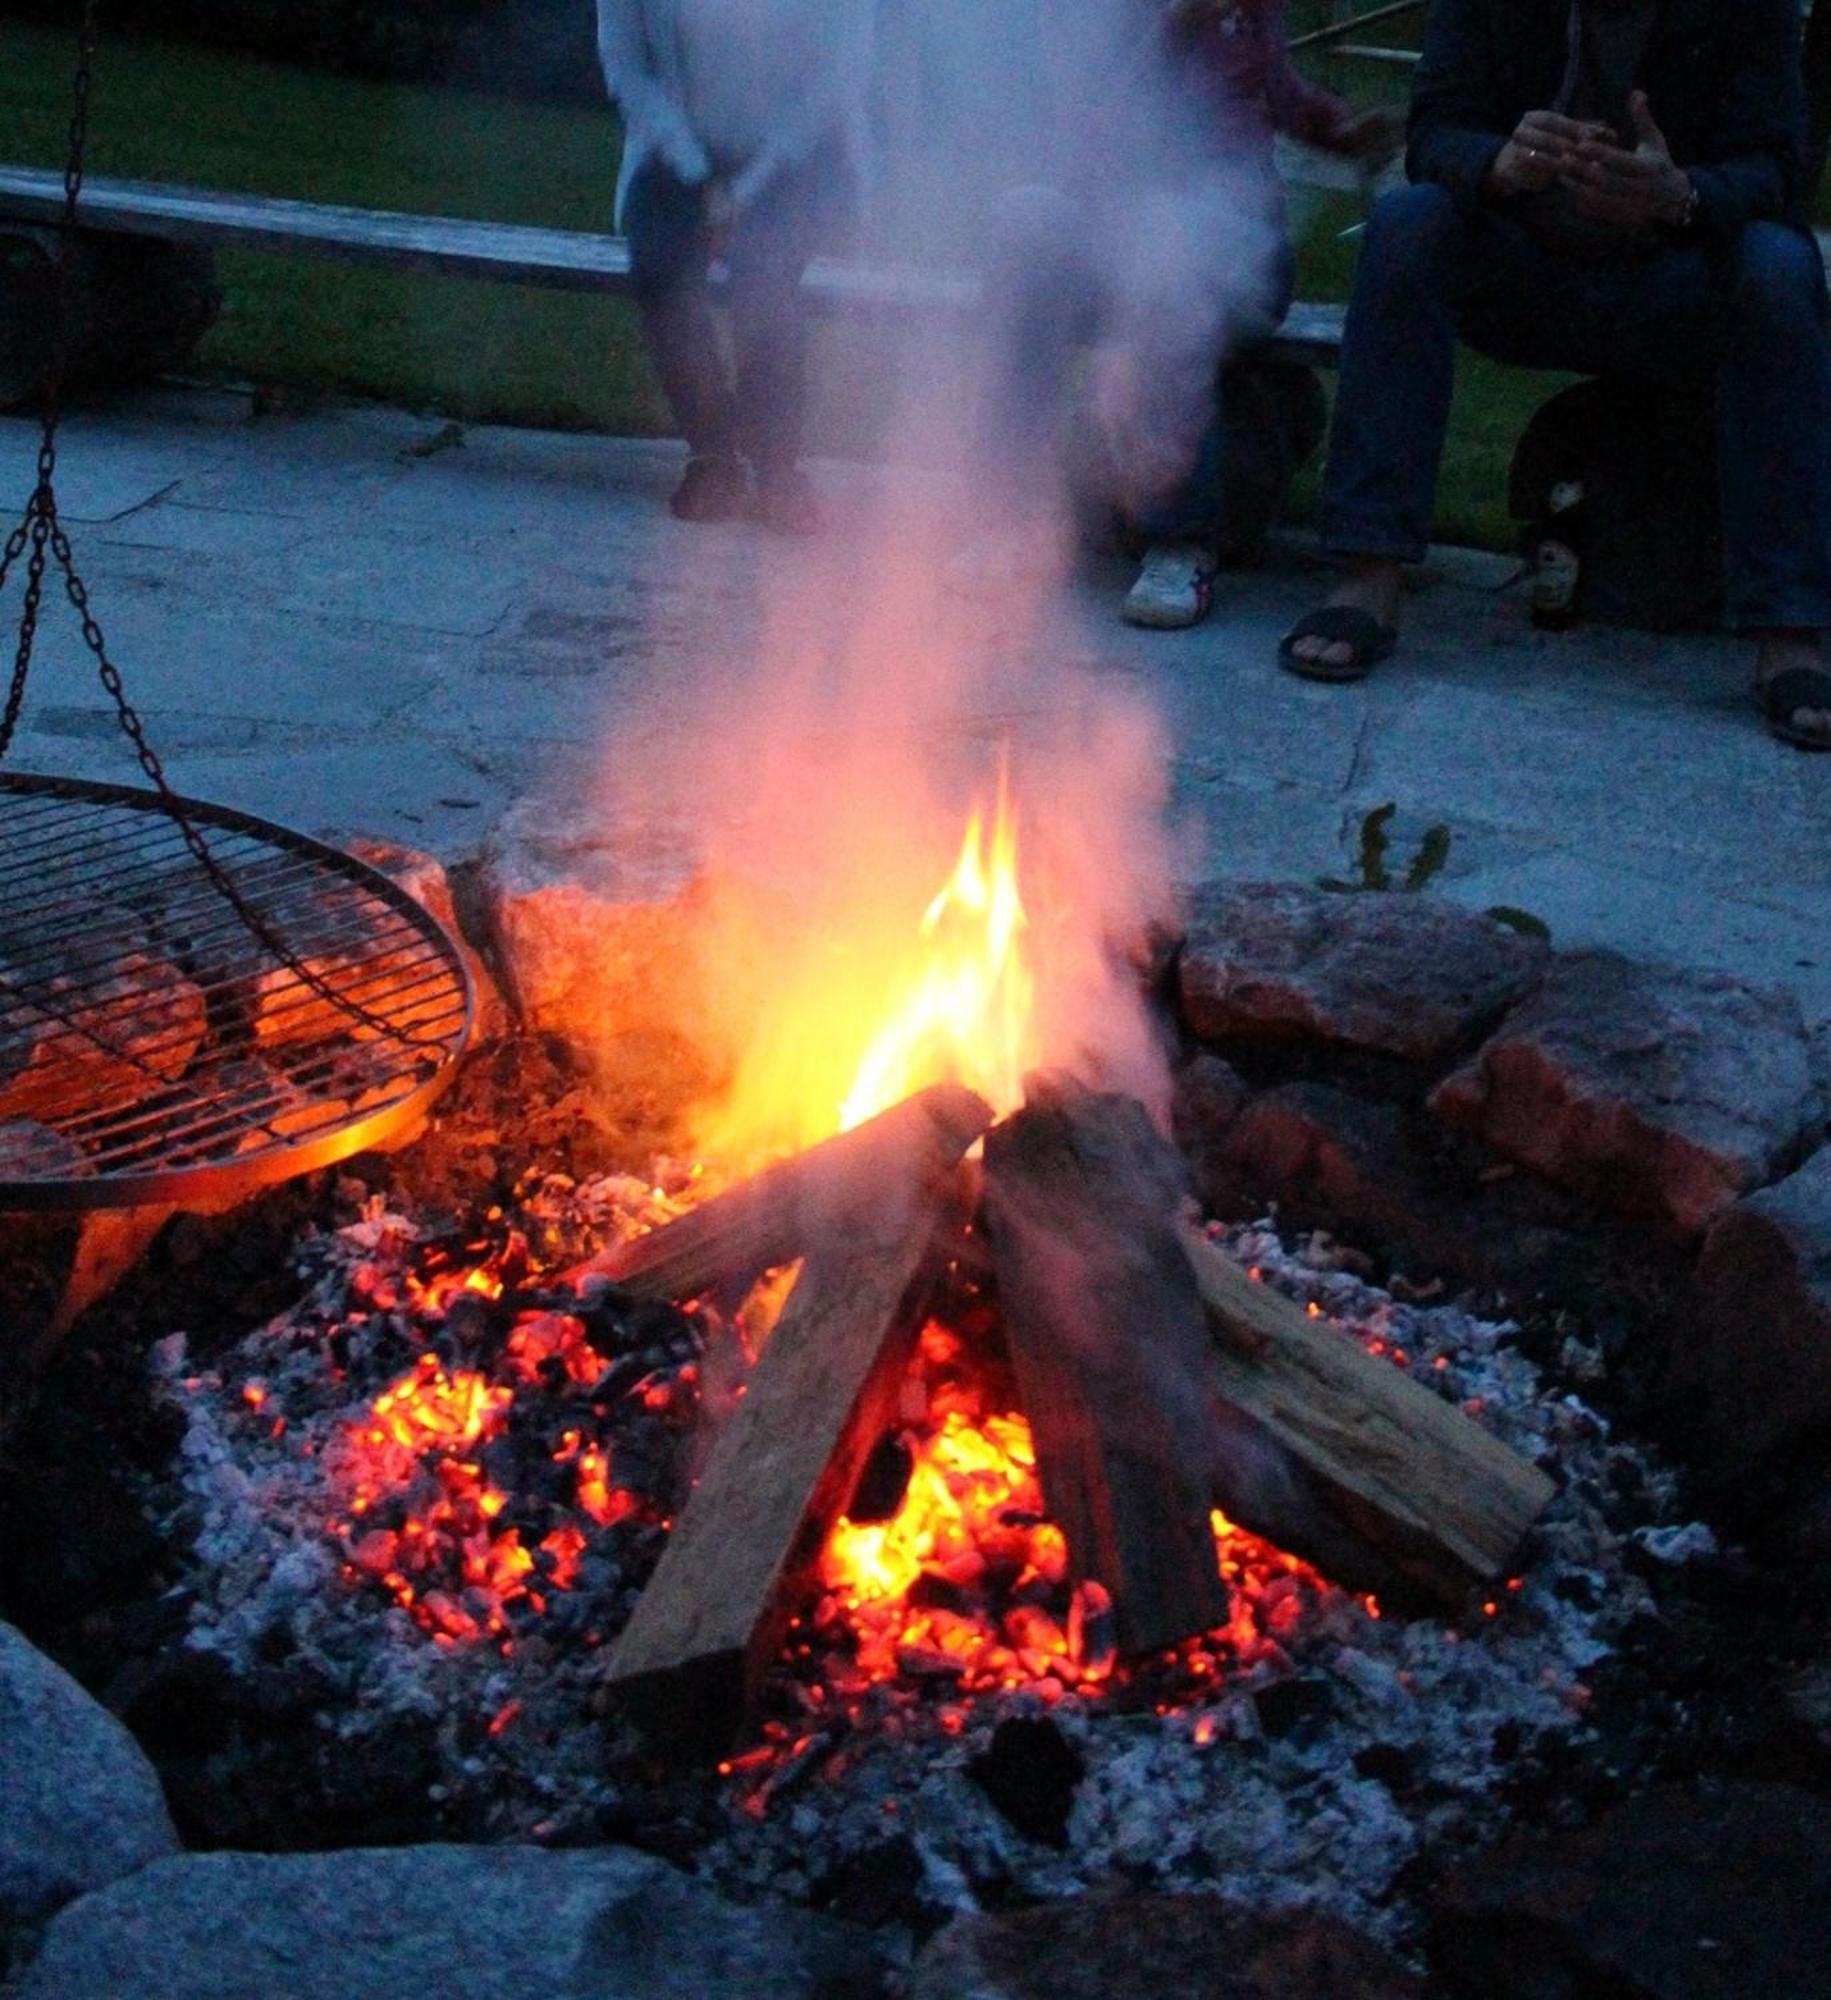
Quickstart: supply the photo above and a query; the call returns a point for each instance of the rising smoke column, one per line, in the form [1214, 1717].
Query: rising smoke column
[843, 727]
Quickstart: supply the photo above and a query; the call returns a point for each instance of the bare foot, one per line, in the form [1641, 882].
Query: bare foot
[1370, 585]
[1783, 652]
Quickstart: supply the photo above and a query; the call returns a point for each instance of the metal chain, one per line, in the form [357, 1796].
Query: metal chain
[44, 531]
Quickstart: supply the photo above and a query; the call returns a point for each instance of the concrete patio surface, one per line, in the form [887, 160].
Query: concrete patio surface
[323, 620]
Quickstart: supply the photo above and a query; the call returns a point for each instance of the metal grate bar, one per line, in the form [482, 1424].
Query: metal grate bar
[91, 875]
[343, 936]
[145, 1058]
[144, 871]
[99, 831]
[222, 1127]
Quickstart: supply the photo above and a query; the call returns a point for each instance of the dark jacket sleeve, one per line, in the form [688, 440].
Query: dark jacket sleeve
[1456, 127]
[1751, 169]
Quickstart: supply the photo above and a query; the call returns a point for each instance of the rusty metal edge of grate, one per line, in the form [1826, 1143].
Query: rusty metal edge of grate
[215, 1184]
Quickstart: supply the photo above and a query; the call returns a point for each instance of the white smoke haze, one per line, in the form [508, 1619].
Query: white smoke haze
[835, 747]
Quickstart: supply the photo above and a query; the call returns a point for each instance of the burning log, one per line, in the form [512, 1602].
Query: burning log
[1392, 1488]
[775, 1216]
[1143, 1420]
[1112, 1351]
[824, 1391]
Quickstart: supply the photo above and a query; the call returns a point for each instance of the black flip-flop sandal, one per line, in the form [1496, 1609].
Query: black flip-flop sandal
[1780, 699]
[1367, 640]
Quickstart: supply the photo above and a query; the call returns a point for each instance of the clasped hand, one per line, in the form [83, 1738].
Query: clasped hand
[1608, 182]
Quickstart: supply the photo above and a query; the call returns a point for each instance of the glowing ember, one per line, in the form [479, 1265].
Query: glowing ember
[424, 1521]
[968, 1581]
[971, 1524]
[963, 1591]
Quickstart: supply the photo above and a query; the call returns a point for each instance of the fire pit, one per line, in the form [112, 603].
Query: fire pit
[746, 1517]
[410, 1518]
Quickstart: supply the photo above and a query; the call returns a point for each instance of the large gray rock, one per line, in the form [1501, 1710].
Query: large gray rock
[1656, 1093]
[592, 926]
[80, 1805]
[423, 877]
[1751, 1352]
[1166, 1947]
[1406, 975]
[1718, 1895]
[464, 1923]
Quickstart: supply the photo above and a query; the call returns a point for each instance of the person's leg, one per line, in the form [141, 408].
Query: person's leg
[1174, 587]
[1754, 315]
[1183, 529]
[769, 253]
[668, 270]
[1430, 274]
[1392, 409]
[1041, 301]
[1773, 422]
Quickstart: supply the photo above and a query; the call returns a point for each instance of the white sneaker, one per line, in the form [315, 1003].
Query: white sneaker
[1018, 562]
[1175, 587]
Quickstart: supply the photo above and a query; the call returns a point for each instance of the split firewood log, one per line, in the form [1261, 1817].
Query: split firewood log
[774, 1217]
[1111, 1350]
[1393, 1486]
[1293, 1429]
[787, 1460]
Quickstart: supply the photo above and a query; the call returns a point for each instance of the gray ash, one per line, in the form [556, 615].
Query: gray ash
[426, 1494]
[1315, 1751]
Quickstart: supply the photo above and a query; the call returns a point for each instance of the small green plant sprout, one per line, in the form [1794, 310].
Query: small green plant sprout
[1374, 877]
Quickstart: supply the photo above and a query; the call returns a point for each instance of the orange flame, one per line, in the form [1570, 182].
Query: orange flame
[890, 996]
[962, 1008]
[970, 1582]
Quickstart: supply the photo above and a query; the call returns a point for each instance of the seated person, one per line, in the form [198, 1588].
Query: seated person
[743, 124]
[1613, 187]
[1156, 246]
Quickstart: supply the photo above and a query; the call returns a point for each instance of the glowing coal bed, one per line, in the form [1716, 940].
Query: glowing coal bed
[409, 1515]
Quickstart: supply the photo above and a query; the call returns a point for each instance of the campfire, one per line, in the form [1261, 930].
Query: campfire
[957, 1402]
[896, 1473]
[458, 1484]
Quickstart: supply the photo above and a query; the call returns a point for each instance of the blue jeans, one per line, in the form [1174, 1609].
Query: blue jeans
[1046, 296]
[760, 411]
[1752, 314]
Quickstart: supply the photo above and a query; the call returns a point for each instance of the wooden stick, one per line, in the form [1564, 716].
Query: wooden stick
[785, 1464]
[788, 1208]
[1111, 1349]
[1397, 1489]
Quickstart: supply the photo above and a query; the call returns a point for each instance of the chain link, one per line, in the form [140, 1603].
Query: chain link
[43, 531]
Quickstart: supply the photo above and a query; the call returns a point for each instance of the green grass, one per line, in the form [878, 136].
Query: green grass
[500, 352]
[473, 350]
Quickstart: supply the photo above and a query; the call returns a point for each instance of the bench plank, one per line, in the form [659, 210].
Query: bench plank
[510, 252]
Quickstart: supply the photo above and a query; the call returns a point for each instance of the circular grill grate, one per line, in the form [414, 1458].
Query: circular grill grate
[153, 1051]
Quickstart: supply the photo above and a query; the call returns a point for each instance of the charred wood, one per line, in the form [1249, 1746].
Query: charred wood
[1341, 1457]
[797, 1204]
[823, 1393]
[1111, 1350]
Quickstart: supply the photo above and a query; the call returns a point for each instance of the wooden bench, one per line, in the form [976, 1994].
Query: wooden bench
[513, 253]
